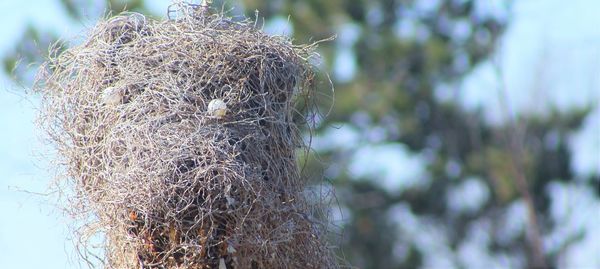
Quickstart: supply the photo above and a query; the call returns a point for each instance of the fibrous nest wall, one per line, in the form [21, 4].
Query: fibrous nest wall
[169, 180]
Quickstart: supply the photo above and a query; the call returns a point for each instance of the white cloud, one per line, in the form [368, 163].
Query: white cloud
[547, 58]
[585, 146]
[345, 65]
[391, 165]
[279, 25]
[345, 137]
[469, 196]
[575, 209]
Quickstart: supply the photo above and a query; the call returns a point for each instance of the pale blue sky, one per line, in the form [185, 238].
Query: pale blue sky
[550, 55]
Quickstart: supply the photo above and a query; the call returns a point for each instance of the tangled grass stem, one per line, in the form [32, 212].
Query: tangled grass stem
[170, 184]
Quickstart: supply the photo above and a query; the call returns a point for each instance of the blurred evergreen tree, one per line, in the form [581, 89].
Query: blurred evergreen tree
[405, 53]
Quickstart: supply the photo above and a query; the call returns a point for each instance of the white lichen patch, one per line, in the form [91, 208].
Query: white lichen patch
[112, 96]
[217, 108]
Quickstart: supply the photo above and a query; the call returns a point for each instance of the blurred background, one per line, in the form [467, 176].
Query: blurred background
[460, 134]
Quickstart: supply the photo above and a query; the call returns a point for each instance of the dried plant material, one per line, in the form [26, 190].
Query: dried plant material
[168, 184]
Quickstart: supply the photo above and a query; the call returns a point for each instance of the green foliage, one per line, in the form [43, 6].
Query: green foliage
[395, 86]
[30, 49]
[35, 45]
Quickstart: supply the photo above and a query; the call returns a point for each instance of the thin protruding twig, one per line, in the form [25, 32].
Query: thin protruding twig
[515, 140]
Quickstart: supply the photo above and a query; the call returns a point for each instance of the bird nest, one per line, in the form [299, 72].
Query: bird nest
[179, 138]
